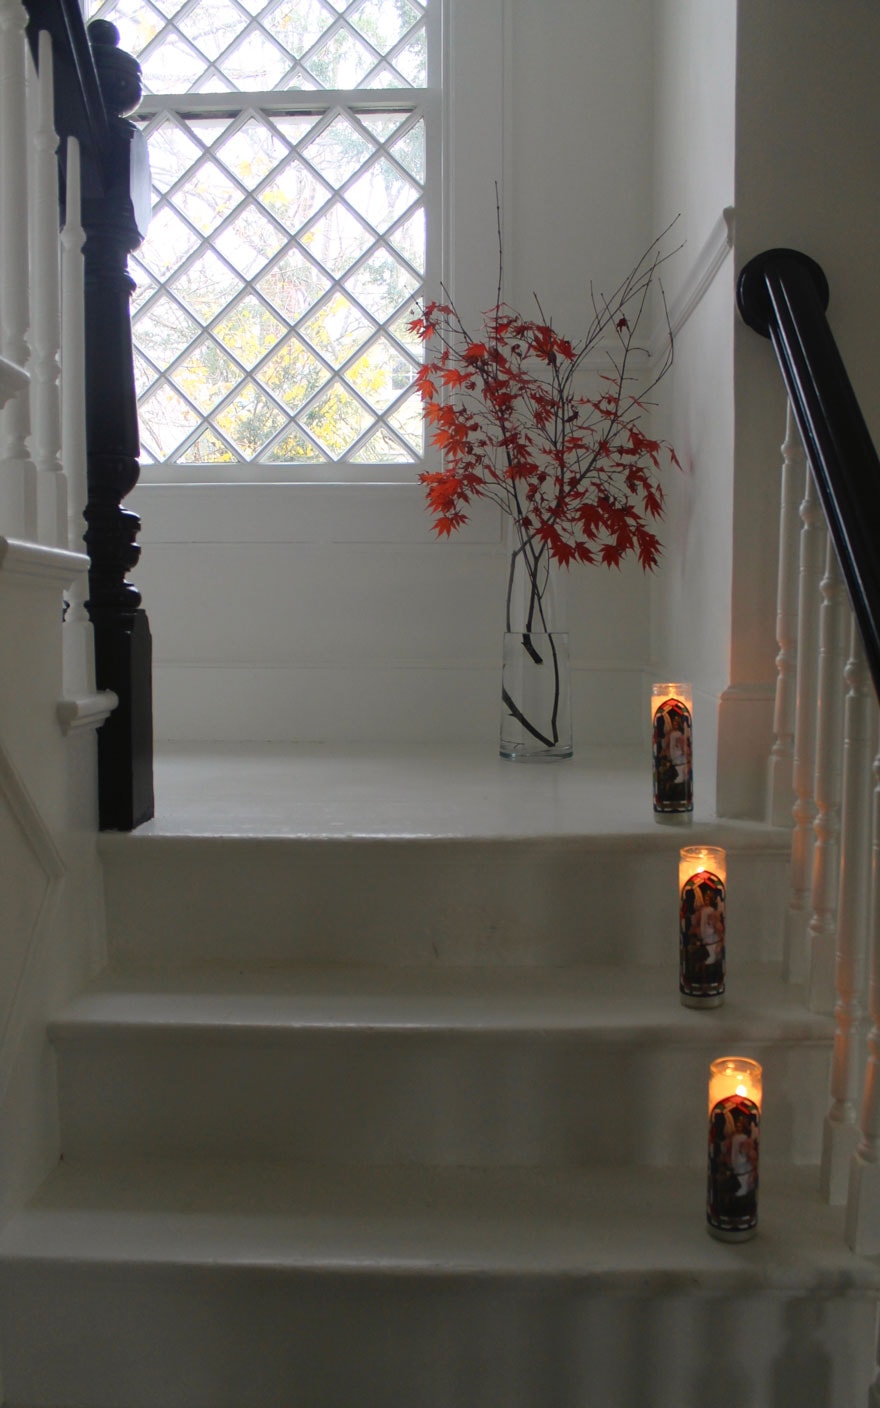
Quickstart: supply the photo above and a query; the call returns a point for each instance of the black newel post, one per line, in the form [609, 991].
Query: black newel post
[115, 224]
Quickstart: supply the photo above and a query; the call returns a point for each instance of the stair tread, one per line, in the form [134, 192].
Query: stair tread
[630, 1230]
[599, 1002]
[407, 792]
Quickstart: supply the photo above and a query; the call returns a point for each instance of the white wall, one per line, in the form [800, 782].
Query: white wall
[772, 109]
[577, 149]
[808, 136]
[330, 612]
[808, 133]
[693, 183]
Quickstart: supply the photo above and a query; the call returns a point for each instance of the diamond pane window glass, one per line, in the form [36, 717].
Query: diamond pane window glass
[208, 130]
[412, 61]
[381, 285]
[206, 376]
[249, 241]
[381, 193]
[206, 286]
[256, 46]
[409, 150]
[170, 65]
[248, 331]
[169, 241]
[138, 24]
[251, 420]
[337, 239]
[206, 197]
[212, 26]
[338, 151]
[172, 152]
[299, 24]
[293, 285]
[382, 124]
[293, 375]
[383, 25]
[409, 240]
[292, 227]
[252, 152]
[164, 331]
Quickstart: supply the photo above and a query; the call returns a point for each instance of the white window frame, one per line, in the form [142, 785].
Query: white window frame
[427, 102]
[468, 79]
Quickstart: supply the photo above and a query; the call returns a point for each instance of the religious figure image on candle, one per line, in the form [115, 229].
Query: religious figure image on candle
[701, 936]
[673, 758]
[732, 1204]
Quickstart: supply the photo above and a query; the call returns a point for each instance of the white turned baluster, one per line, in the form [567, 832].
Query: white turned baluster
[827, 787]
[812, 553]
[18, 476]
[78, 638]
[73, 341]
[841, 1133]
[46, 307]
[780, 796]
[863, 1195]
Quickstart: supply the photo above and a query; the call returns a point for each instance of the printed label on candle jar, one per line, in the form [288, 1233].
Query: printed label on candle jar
[701, 935]
[732, 1202]
[673, 758]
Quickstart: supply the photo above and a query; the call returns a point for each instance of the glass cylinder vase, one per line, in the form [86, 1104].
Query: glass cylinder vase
[535, 674]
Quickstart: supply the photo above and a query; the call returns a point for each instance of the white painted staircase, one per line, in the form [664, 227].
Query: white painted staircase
[387, 1099]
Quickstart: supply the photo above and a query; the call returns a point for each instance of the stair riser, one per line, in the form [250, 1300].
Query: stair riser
[172, 900]
[440, 1098]
[145, 1337]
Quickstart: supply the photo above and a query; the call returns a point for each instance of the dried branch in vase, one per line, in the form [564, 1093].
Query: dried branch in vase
[577, 473]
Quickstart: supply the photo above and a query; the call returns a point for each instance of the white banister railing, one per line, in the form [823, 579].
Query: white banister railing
[812, 553]
[825, 756]
[783, 295]
[18, 476]
[33, 487]
[827, 786]
[78, 638]
[841, 1132]
[73, 346]
[45, 301]
[780, 786]
[43, 480]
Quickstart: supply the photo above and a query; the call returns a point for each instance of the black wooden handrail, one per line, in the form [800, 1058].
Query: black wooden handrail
[783, 295]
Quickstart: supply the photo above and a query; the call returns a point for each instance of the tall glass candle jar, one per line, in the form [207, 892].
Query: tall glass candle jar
[672, 745]
[735, 1097]
[702, 925]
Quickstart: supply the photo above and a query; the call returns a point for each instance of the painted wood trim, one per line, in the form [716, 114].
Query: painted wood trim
[51, 566]
[29, 820]
[86, 710]
[698, 280]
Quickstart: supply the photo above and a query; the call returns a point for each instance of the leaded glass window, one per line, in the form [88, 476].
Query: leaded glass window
[294, 226]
